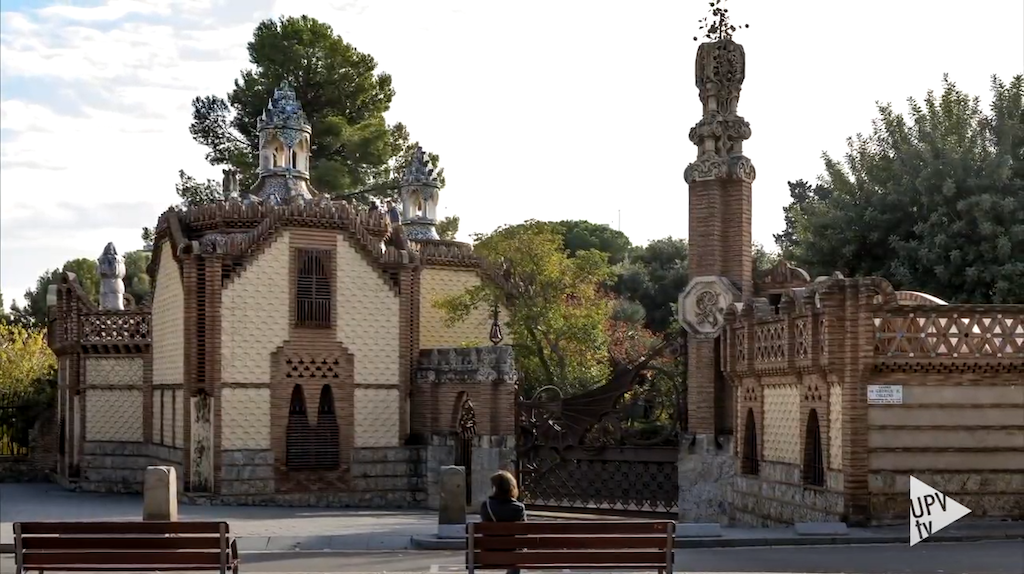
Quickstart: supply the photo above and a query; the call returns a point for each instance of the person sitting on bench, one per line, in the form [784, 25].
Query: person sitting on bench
[502, 505]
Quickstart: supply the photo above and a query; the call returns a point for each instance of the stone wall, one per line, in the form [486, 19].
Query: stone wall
[381, 478]
[961, 437]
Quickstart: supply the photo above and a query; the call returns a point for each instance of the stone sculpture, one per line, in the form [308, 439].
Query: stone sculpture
[112, 274]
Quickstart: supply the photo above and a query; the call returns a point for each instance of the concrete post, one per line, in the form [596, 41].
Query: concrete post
[451, 516]
[160, 494]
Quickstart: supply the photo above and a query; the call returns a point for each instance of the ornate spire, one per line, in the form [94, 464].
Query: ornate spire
[419, 191]
[285, 146]
[719, 135]
[420, 171]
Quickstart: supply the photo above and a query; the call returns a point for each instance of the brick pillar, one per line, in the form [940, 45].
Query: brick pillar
[720, 272]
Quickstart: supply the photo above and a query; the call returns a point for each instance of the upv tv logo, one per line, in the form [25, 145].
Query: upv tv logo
[931, 511]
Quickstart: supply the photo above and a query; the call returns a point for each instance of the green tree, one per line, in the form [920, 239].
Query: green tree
[654, 277]
[932, 201]
[655, 274]
[580, 235]
[448, 227]
[25, 358]
[344, 98]
[136, 279]
[557, 310]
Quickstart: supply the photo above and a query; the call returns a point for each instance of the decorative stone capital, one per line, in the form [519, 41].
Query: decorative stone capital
[706, 167]
[703, 303]
[720, 70]
[741, 168]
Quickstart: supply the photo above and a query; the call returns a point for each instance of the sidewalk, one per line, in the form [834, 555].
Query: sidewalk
[276, 529]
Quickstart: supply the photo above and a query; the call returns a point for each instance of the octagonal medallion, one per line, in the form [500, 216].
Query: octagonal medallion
[703, 303]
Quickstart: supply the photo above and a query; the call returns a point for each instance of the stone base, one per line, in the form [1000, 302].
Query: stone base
[706, 469]
[445, 531]
[776, 497]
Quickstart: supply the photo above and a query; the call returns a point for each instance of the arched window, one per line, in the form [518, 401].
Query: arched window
[327, 455]
[814, 454]
[299, 439]
[751, 463]
[295, 160]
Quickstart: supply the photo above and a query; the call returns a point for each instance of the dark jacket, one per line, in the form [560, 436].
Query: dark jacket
[502, 510]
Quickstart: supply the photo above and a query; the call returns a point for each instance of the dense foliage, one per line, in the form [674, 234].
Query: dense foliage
[933, 201]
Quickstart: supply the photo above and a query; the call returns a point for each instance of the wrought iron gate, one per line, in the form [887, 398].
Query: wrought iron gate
[464, 444]
[614, 448]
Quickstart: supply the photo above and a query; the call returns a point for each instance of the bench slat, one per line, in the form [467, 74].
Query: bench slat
[125, 527]
[578, 559]
[571, 542]
[587, 528]
[134, 569]
[96, 543]
[55, 560]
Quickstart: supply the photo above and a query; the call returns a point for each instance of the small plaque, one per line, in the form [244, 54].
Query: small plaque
[885, 394]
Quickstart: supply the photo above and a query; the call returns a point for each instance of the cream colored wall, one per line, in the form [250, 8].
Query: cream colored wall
[963, 413]
[113, 415]
[368, 315]
[113, 371]
[168, 322]
[782, 432]
[245, 418]
[835, 426]
[255, 315]
[440, 282]
[376, 417]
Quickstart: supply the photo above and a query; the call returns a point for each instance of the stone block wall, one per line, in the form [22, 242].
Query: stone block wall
[392, 477]
[961, 436]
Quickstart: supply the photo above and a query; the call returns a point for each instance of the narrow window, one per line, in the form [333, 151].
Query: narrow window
[313, 289]
[814, 454]
[295, 160]
[299, 439]
[327, 455]
[751, 464]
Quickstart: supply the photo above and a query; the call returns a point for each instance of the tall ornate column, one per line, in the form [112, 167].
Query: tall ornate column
[720, 267]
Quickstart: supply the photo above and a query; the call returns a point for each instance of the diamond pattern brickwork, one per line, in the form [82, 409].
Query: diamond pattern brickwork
[782, 432]
[950, 332]
[835, 426]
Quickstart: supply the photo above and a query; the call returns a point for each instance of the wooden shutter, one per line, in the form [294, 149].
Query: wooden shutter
[313, 288]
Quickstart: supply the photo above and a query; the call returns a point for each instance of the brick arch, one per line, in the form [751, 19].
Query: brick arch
[813, 468]
[323, 375]
[751, 453]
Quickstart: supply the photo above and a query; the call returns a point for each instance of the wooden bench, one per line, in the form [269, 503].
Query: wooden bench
[123, 546]
[591, 545]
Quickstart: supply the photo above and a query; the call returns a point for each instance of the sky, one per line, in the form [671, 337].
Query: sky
[550, 110]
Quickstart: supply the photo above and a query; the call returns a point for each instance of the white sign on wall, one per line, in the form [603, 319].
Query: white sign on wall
[885, 394]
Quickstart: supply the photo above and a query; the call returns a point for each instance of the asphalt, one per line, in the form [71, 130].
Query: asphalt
[278, 529]
[1006, 557]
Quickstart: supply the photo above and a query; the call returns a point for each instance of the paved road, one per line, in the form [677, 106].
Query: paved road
[935, 558]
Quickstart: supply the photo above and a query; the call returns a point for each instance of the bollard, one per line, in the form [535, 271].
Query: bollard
[160, 494]
[451, 515]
